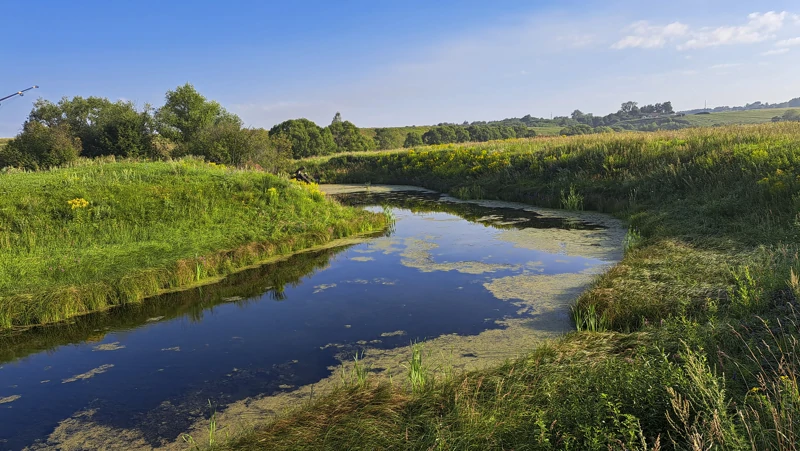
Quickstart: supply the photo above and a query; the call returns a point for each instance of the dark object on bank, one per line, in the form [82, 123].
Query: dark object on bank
[302, 176]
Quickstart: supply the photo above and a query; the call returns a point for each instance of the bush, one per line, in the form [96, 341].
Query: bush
[40, 147]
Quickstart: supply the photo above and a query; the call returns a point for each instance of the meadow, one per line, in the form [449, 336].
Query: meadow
[690, 342]
[100, 233]
[735, 117]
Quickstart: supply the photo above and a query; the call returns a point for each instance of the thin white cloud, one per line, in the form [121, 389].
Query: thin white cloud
[758, 28]
[646, 36]
[775, 52]
[578, 40]
[725, 65]
[788, 42]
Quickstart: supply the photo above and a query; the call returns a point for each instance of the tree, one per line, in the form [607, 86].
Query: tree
[337, 118]
[791, 115]
[348, 137]
[186, 113]
[580, 129]
[386, 138]
[103, 127]
[523, 132]
[462, 135]
[306, 137]
[443, 134]
[413, 139]
[629, 108]
[39, 147]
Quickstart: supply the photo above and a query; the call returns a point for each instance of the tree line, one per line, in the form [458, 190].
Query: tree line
[187, 124]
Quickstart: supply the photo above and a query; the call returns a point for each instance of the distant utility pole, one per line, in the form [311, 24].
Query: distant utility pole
[18, 93]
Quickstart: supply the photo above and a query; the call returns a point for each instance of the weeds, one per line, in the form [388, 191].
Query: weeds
[212, 431]
[418, 374]
[571, 200]
[632, 240]
[358, 374]
[590, 320]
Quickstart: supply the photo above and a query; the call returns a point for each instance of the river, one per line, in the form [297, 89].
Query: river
[475, 282]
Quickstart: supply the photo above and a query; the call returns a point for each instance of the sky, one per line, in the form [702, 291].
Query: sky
[394, 63]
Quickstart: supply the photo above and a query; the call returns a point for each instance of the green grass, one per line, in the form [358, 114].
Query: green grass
[690, 342]
[735, 117]
[550, 130]
[85, 238]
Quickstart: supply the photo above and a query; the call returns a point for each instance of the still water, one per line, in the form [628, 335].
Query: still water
[447, 267]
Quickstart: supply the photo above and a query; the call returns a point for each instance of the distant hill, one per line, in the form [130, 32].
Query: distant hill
[794, 103]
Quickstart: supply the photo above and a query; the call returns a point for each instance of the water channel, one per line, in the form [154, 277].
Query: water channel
[477, 282]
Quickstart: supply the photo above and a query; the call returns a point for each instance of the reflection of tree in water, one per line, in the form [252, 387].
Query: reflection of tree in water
[496, 217]
[241, 288]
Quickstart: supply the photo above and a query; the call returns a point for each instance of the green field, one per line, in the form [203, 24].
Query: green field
[735, 117]
[85, 238]
[690, 342]
[552, 130]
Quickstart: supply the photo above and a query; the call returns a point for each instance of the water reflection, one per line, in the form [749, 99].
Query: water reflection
[449, 269]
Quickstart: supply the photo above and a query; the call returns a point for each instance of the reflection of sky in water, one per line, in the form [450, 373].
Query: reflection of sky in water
[228, 349]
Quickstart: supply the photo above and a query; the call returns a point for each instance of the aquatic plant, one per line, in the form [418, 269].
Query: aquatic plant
[632, 240]
[589, 320]
[571, 200]
[418, 374]
[357, 375]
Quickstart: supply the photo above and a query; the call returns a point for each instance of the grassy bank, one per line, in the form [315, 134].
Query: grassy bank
[689, 343]
[82, 239]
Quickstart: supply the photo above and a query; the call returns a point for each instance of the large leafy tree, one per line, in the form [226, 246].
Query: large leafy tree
[186, 113]
[307, 138]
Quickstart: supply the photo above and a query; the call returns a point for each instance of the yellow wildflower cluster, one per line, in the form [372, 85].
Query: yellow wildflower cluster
[311, 188]
[78, 202]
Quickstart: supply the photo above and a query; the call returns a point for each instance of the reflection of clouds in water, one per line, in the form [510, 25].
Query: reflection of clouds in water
[172, 349]
[362, 259]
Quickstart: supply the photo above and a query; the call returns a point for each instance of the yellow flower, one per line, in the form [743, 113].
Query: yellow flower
[78, 202]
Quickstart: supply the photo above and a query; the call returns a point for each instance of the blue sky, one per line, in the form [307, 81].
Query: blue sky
[401, 63]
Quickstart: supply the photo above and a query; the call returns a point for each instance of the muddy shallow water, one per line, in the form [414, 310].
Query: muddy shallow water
[476, 281]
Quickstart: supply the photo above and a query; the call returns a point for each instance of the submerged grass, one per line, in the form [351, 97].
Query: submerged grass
[85, 238]
[690, 342]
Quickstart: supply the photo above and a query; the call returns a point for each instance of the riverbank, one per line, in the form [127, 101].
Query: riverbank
[86, 238]
[689, 342]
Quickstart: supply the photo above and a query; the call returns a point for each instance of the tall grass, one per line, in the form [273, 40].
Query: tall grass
[689, 343]
[85, 238]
